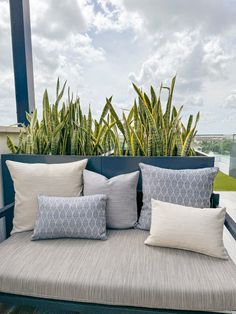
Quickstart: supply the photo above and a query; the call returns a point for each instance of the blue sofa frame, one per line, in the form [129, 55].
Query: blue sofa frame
[108, 166]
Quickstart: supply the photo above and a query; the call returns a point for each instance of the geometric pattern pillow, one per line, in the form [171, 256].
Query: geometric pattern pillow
[71, 217]
[188, 187]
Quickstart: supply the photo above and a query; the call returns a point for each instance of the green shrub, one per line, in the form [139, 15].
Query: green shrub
[147, 129]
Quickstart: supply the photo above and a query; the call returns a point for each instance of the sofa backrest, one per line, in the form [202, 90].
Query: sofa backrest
[108, 166]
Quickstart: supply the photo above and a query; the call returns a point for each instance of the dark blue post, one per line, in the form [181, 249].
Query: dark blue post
[22, 58]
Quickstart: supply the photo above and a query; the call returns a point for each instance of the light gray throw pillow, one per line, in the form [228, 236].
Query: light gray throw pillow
[122, 197]
[71, 217]
[188, 187]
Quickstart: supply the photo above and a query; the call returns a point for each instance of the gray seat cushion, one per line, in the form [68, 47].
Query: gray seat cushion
[119, 271]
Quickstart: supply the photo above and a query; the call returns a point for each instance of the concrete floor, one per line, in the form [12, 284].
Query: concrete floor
[228, 200]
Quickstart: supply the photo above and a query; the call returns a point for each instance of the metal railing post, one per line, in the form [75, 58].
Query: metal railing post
[22, 58]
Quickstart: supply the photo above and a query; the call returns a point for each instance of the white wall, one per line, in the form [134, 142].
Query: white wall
[13, 133]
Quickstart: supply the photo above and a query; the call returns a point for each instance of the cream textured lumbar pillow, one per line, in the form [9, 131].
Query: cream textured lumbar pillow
[31, 180]
[188, 228]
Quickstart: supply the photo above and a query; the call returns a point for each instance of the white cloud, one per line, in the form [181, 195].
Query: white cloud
[188, 54]
[55, 19]
[7, 92]
[215, 58]
[200, 47]
[63, 50]
[99, 46]
[199, 61]
[109, 15]
[67, 61]
[170, 56]
[193, 101]
[94, 69]
[230, 102]
[207, 118]
[213, 16]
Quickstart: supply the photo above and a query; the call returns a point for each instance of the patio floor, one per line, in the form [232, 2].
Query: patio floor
[228, 199]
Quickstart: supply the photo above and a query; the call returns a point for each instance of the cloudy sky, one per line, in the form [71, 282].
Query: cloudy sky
[101, 46]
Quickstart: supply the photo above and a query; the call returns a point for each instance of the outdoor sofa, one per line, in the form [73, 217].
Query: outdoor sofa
[120, 275]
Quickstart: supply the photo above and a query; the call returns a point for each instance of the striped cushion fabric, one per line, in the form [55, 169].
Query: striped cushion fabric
[119, 271]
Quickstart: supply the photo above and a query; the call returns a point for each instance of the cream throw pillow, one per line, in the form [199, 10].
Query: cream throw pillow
[188, 228]
[30, 180]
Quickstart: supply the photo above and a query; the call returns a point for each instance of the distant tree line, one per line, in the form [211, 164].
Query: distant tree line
[217, 146]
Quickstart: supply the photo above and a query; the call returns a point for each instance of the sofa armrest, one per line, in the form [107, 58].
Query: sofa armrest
[6, 209]
[230, 225]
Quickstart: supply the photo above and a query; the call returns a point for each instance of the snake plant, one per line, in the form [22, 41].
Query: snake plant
[148, 129]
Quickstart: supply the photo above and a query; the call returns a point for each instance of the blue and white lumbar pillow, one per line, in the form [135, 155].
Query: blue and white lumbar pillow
[71, 217]
[187, 187]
